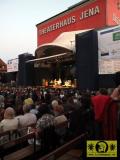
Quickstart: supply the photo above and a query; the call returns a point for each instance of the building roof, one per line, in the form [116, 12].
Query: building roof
[3, 66]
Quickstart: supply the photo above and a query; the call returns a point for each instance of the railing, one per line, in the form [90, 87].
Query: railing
[63, 149]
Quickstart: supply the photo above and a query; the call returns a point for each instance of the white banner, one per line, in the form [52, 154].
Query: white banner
[12, 65]
[109, 50]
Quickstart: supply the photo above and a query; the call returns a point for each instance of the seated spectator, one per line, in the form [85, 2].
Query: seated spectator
[58, 112]
[19, 115]
[45, 125]
[1, 114]
[2, 101]
[34, 110]
[69, 105]
[2, 105]
[46, 119]
[57, 108]
[61, 131]
[28, 118]
[116, 93]
[9, 122]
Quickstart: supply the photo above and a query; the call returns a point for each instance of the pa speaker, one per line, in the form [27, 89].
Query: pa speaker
[117, 78]
[87, 60]
[26, 70]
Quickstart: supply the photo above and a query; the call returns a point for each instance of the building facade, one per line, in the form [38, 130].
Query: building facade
[57, 41]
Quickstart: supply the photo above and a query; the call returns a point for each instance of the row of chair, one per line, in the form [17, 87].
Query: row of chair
[14, 145]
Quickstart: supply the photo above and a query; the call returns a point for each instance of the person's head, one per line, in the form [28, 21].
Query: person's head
[43, 109]
[85, 100]
[54, 104]
[116, 93]
[26, 108]
[59, 109]
[103, 91]
[28, 101]
[9, 113]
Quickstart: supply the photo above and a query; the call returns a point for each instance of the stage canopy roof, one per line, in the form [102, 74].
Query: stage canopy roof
[63, 44]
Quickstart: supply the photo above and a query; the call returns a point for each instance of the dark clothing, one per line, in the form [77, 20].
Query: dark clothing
[76, 122]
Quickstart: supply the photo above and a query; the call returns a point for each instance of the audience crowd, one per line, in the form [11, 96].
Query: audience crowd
[84, 111]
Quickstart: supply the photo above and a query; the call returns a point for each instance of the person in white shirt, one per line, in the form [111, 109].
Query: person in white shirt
[28, 118]
[9, 122]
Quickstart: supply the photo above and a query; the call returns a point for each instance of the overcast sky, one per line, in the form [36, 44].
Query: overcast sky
[18, 32]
